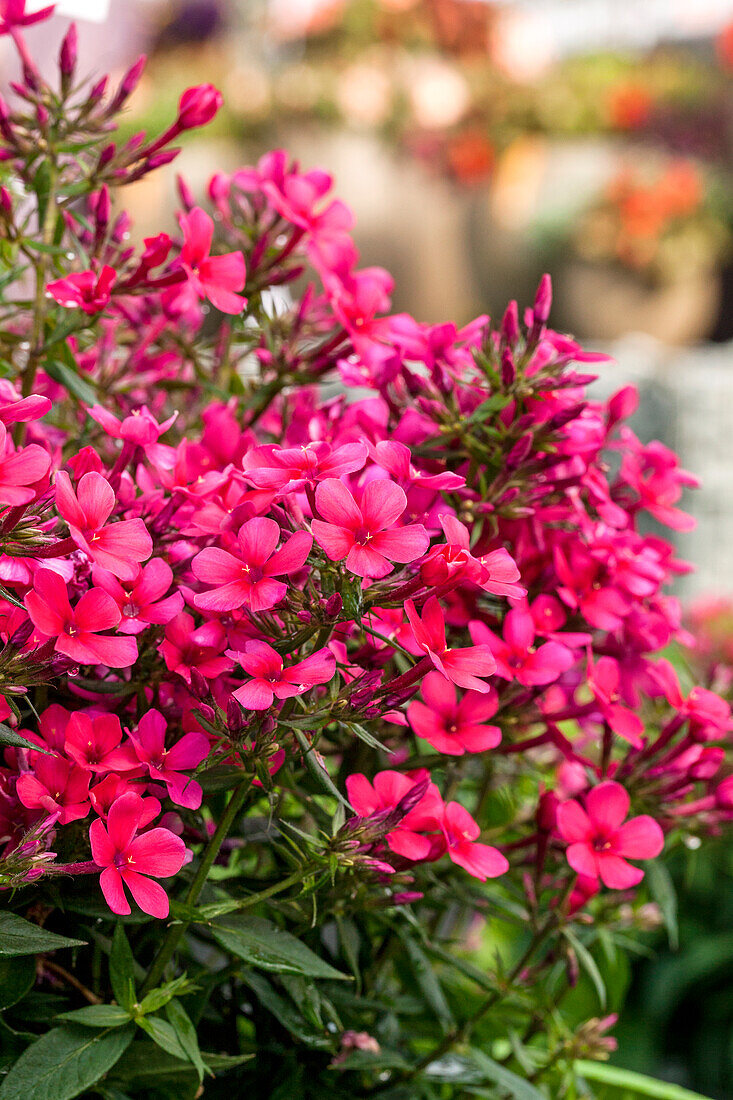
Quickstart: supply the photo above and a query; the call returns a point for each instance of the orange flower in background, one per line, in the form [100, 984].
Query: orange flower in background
[629, 106]
[470, 156]
[724, 47]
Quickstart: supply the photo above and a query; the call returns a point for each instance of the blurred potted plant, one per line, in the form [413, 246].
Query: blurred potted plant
[649, 248]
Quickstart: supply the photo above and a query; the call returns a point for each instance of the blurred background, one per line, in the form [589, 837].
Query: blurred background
[481, 143]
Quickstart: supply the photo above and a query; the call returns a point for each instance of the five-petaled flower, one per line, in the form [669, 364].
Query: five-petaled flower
[246, 579]
[271, 679]
[216, 278]
[601, 841]
[359, 532]
[133, 859]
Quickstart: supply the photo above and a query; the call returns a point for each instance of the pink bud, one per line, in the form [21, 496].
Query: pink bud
[543, 301]
[42, 115]
[510, 324]
[186, 195]
[99, 89]
[508, 369]
[68, 53]
[198, 106]
[106, 155]
[129, 83]
[334, 605]
[6, 201]
[102, 210]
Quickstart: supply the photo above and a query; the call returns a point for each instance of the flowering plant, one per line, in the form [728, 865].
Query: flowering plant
[656, 220]
[330, 647]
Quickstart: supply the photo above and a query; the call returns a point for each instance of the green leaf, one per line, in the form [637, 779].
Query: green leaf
[588, 964]
[146, 1063]
[97, 1016]
[122, 969]
[499, 1075]
[17, 977]
[163, 1035]
[317, 770]
[65, 1062]
[637, 1083]
[10, 737]
[262, 944]
[427, 979]
[67, 377]
[285, 1013]
[662, 890]
[20, 937]
[159, 997]
[180, 1021]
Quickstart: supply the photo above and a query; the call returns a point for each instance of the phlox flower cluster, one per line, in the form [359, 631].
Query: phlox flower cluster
[320, 542]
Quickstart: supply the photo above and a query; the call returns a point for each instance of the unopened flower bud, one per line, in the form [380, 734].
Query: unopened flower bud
[199, 685]
[22, 635]
[304, 617]
[68, 53]
[6, 128]
[6, 201]
[42, 116]
[543, 301]
[185, 194]
[198, 106]
[519, 451]
[98, 90]
[106, 155]
[333, 606]
[102, 212]
[235, 717]
[129, 83]
[510, 324]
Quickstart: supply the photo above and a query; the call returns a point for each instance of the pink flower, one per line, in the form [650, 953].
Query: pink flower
[271, 679]
[142, 602]
[187, 646]
[460, 832]
[165, 764]
[453, 727]
[461, 666]
[14, 408]
[118, 547]
[139, 427]
[600, 843]
[56, 786]
[289, 469]
[94, 743]
[246, 579]
[396, 459]
[128, 858]
[388, 791]
[77, 629]
[359, 532]
[213, 277]
[496, 571]
[88, 290]
[13, 14]
[20, 470]
[604, 678]
[516, 655]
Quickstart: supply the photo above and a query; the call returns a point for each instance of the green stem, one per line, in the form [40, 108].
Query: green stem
[48, 228]
[177, 931]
